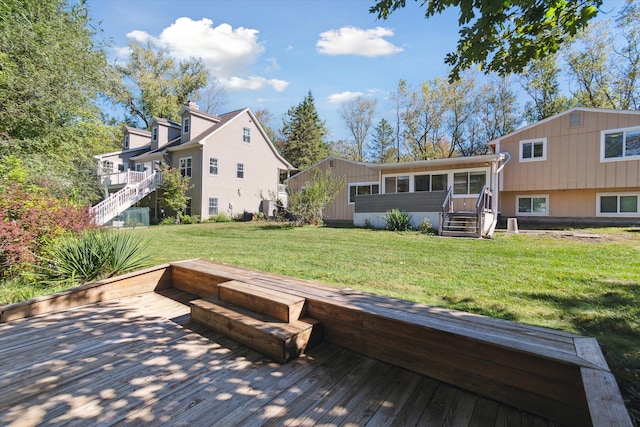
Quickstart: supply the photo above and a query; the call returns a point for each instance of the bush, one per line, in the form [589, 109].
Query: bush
[168, 221]
[189, 219]
[97, 254]
[219, 218]
[426, 227]
[397, 220]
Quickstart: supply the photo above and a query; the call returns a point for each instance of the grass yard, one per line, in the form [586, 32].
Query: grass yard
[586, 285]
[581, 284]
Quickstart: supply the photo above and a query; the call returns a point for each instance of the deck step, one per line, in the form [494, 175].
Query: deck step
[276, 304]
[277, 339]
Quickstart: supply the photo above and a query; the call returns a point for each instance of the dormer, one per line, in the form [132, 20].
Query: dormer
[135, 138]
[194, 121]
[163, 131]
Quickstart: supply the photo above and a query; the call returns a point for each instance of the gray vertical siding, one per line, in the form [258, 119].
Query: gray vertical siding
[422, 201]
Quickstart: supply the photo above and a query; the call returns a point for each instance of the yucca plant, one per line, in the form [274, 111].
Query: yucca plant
[397, 220]
[97, 254]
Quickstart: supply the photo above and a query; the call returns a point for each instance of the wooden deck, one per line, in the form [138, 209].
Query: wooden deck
[138, 360]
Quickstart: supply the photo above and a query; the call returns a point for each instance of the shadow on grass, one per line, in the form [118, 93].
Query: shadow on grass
[611, 316]
[469, 304]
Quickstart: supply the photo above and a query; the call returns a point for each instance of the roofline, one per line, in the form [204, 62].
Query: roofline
[99, 156]
[316, 164]
[438, 162]
[569, 111]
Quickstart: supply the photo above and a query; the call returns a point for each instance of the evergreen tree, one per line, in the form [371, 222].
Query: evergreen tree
[304, 133]
[382, 147]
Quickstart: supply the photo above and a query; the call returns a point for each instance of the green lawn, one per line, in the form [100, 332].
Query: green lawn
[585, 285]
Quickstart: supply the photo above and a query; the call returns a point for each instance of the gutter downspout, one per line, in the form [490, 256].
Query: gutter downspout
[496, 190]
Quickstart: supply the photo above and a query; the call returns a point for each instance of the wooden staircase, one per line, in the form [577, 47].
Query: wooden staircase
[266, 320]
[461, 224]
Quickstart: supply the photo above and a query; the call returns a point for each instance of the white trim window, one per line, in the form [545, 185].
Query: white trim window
[532, 205]
[533, 150]
[107, 167]
[617, 204]
[430, 182]
[126, 142]
[213, 206]
[213, 166]
[154, 133]
[185, 125]
[240, 170]
[246, 135]
[396, 184]
[362, 189]
[185, 166]
[139, 167]
[620, 144]
[469, 182]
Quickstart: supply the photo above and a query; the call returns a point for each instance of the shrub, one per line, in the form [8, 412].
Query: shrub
[426, 227]
[219, 218]
[97, 254]
[307, 205]
[189, 219]
[168, 221]
[397, 220]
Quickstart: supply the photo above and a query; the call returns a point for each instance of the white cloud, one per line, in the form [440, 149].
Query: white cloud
[253, 83]
[225, 50]
[339, 98]
[357, 41]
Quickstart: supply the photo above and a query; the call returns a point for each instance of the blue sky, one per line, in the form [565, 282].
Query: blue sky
[270, 53]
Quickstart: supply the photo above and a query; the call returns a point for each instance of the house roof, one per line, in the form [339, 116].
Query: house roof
[438, 162]
[128, 150]
[564, 113]
[143, 132]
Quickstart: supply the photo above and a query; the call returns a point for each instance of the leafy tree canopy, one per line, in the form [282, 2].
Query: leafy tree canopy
[503, 36]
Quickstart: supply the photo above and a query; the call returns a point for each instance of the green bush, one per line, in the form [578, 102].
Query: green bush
[168, 221]
[397, 220]
[426, 227]
[97, 254]
[189, 219]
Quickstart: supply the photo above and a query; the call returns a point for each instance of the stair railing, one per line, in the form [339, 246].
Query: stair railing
[483, 205]
[447, 207]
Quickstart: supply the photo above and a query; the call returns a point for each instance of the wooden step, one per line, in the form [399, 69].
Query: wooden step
[276, 339]
[279, 305]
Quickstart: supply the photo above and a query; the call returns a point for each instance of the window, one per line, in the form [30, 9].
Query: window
[430, 182]
[185, 125]
[362, 189]
[623, 204]
[620, 144]
[154, 133]
[213, 206]
[213, 166]
[533, 150]
[532, 205]
[185, 166]
[468, 182]
[240, 171]
[187, 208]
[126, 142]
[575, 119]
[107, 167]
[396, 184]
[246, 135]
[121, 167]
[139, 167]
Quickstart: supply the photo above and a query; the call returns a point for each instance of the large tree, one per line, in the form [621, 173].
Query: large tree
[540, 79]
[503, 36]
[357, 115]
[153, 84]
[303, 135]
[382, 147]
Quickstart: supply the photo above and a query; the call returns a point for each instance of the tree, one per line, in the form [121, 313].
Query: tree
[152, 84]
[400, 101]
[308, 204]
[498, 111]
[505, 36]
[540, 80]
[213, 97]
[382, 147]
[265, 117]
[357, 115]
[303, 134]
[174, 187]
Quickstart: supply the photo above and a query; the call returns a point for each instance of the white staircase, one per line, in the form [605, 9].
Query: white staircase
[138, 185]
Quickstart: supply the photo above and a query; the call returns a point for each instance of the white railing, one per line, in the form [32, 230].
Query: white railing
[136, 188]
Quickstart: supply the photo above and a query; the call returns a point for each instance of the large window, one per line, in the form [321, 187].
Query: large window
[396, 184]
[240, 171]
[620, 144]
[362, 189]
[213, 206]
[246, 135]
[532, 205]
[213, 166]
[430, 182]
[532, 150]
[107, 167]
[469, 182]
[185, 166]
[622, 204]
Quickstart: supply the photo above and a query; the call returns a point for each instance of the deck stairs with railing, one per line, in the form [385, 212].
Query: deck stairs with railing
[468, 224]
[137, 186]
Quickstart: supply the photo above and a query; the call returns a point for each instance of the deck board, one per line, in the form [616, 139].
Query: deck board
[139, 360]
